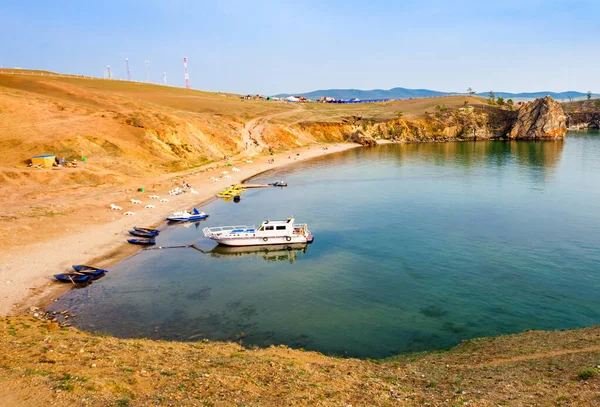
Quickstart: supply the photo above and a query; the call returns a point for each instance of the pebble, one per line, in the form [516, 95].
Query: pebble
[93, 365]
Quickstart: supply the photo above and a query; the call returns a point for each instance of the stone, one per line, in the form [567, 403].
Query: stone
[543, 118]
[361, 138]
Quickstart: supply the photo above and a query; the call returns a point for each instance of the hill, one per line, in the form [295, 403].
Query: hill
[534, 95]
[129, 129]
[44, 364]
[403, 93]
[347, 94]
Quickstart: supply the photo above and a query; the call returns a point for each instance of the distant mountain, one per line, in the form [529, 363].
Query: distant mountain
[533, 95]
[347, 94]
[403, 93]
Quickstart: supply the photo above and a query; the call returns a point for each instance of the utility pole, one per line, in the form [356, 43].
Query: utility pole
[128, 70]
[186, 74]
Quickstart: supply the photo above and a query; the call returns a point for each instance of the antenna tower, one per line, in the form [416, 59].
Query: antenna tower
[128, 70]
[165, 78]
[108, 74]
[148, 70]
[186, 73]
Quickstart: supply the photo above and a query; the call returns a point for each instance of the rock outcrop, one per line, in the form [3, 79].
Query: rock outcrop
[583, 120]
[543, 118]
[360, 137]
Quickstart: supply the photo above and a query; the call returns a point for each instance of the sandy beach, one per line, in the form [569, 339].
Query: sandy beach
[98, 237]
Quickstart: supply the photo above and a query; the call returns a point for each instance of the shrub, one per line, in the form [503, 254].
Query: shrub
[586, 374]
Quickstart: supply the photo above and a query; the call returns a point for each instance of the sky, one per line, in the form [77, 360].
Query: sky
[294, 46]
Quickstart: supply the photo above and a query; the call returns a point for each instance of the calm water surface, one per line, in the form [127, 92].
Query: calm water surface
[416, 247]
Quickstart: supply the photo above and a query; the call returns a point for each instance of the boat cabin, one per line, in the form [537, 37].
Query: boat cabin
[268, 229]
[277, 225]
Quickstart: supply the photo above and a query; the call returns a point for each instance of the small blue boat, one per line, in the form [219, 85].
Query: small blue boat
[87, 269]
[143, 242]
[140, 233]
[145, 229]
[74, 278]
[185, 216]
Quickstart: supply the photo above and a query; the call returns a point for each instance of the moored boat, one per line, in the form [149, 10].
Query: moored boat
[89, 270]
[141, 233]
[143, 242]
[81, 268]
[279, 184]
[185, 216]
[74, 278]
[268, 233]
[147, 230]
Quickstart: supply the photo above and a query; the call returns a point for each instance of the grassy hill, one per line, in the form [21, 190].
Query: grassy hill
[129, 129]
[43, 364]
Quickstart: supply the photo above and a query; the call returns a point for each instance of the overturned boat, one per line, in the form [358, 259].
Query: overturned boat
[185, 216]
[270, 232]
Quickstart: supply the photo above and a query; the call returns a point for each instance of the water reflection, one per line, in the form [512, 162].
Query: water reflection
[417, 247]
[537, 153]
[270, 253]
[536, 159]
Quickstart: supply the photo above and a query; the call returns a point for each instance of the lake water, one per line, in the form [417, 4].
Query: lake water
[417, 247]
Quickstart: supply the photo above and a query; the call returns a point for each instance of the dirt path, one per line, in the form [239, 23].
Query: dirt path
[253, 130]
[539, 355]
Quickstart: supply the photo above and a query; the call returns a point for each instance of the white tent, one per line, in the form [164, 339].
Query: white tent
[292, 99]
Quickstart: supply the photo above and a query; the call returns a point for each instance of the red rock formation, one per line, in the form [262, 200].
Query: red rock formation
[544, 118]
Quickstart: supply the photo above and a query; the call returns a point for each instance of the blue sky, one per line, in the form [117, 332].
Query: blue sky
[296, 46]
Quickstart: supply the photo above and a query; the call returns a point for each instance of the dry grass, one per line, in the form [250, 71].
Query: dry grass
[68, 367]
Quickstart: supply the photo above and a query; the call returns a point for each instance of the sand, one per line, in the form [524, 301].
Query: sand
[95, 234]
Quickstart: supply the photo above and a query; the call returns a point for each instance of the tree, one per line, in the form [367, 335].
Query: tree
[492, 98]
[510, 104]
[500, 101]
[589, 94]
[471, 91]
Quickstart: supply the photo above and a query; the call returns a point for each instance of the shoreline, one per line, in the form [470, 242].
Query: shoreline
[29, 282]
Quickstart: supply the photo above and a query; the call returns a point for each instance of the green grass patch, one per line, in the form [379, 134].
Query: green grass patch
[586, 374]
[36, 372]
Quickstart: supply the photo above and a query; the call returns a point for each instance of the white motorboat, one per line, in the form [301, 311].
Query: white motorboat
[270, 232]
[185, 216]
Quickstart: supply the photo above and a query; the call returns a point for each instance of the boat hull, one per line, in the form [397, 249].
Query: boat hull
[74, 278]
[260, 241]
[193, 218]
[142, 242]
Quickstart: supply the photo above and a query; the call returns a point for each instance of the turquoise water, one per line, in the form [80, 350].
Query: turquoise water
[416, 247]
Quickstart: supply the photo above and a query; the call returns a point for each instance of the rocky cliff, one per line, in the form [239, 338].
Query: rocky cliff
[542, 119]
[583, 120]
